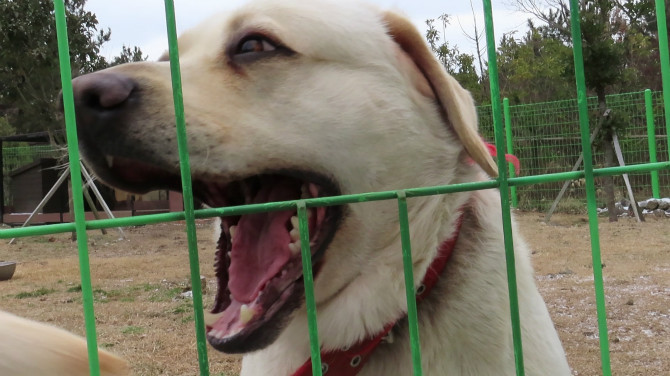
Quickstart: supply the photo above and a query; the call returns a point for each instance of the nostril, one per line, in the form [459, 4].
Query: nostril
[91, 99]
[102, 91]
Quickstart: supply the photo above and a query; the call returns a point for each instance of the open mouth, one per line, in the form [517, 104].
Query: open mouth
[258, 260]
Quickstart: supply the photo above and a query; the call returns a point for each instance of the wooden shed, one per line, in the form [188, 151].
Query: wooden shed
[30, 183]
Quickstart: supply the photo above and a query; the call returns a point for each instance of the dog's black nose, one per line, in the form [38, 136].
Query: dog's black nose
[102, 91]
[103, 102]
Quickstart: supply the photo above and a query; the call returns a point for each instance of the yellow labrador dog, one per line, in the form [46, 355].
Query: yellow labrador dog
[29, 348]
[291, 99]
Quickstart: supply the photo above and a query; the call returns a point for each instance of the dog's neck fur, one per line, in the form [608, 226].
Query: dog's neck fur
[454, 341]
[343, 323]
[340, 362]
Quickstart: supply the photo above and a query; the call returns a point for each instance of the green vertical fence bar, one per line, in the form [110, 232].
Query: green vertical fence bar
[77, 192]
[412, 315]
[510, 148]
[504, 190]
[308, 278]
[185, 168]
[651, 136]
[665, 63]
[590, 186]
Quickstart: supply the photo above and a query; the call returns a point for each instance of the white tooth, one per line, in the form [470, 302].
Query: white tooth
[295, 234]
[313, 190]
[294, 247]
[304, 192]
[246, 314]
[110, 161]
[230, 255]
[211, 318]
[247, 193]
[294, 222]
[232, 230]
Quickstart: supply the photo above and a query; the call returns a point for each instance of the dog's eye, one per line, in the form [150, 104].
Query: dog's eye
[255, 44]
[255, 47]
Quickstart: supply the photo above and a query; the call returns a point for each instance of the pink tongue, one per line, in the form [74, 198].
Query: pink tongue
[260, 246]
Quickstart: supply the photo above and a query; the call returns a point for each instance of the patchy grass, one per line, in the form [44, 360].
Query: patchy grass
[165, 294]
[34, 294]
[151, 326]
[132, 330]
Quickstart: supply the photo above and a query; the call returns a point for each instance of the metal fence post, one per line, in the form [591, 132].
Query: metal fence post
[590, 186]
[651, 134]
[503, 185]
[510, 149]
[665, 63]
[77, 191]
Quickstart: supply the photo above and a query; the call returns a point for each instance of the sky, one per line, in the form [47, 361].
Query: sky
[142, 22]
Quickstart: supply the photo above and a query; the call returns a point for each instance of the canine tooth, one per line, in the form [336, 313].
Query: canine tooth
[304, 192]
[246, 314]
[313, 190]
[211, 318]
[110, 161]
[294, 247]
[246, 191]
[295, 234]
[294, 222]
[232, 230]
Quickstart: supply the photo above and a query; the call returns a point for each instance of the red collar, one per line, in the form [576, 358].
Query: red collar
[351, 361]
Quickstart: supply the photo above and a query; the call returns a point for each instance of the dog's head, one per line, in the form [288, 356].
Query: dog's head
[287, 100]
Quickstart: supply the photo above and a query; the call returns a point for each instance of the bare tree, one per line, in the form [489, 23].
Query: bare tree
[604, 57]
[476, 39]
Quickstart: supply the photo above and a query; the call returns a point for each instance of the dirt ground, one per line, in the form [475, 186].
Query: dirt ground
[141, 316]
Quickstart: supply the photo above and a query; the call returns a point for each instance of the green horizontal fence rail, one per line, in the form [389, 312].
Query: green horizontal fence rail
[505, 182]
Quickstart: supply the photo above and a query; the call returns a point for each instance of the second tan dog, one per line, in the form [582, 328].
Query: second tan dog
[29, 348]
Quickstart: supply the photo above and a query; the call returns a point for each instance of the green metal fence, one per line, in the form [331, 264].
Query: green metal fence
[503, 182]
[14, 157]
[546, 139]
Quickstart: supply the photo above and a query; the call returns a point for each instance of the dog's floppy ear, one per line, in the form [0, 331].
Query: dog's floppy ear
[456, 101]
